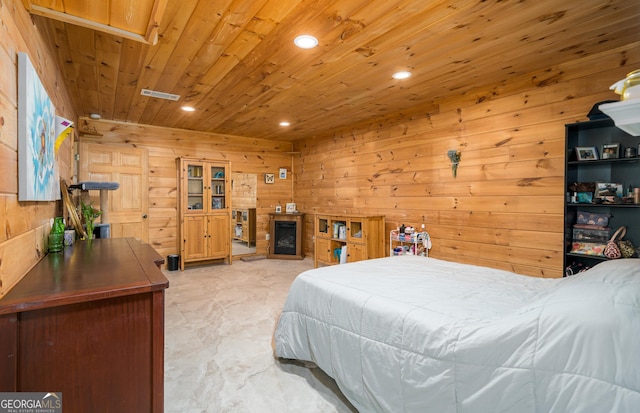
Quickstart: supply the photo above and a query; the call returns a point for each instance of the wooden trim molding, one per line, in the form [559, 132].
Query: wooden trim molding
[149, 35]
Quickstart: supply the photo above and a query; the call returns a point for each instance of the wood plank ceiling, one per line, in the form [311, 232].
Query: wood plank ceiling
[235, 61]
[132, 19]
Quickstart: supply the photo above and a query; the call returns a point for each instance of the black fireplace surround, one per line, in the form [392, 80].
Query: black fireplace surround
[284, 241]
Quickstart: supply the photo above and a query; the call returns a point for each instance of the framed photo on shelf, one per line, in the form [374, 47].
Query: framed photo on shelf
[611, 151]
[278, 209]
[605, 190]
[587, 153]
[269, 178]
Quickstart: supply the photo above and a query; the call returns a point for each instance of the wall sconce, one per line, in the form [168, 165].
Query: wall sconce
[454, 156]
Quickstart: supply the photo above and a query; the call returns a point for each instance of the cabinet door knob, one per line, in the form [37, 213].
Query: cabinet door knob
[145, 216]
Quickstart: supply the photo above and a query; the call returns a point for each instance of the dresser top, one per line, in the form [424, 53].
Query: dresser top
[87, 271]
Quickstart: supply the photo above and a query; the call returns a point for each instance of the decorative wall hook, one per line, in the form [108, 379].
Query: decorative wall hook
[454, 156]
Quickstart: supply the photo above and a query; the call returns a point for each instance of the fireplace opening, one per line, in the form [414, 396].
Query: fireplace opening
[285, 238]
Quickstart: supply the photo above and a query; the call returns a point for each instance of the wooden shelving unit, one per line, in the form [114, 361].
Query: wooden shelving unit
[624, 171]
[362, 237]
[415, 241]
[204, 210]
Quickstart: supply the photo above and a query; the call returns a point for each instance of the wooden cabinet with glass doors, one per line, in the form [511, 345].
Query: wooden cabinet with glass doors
[204, 210]
[348, 238]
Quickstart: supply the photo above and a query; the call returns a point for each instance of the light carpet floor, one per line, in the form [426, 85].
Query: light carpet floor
[219, 322]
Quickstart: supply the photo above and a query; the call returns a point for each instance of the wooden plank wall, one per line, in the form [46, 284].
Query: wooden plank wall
[165, 145]
[505, 208]
[24, 226]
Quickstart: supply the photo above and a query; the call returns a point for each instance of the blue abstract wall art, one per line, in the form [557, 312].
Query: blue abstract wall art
[38, 175]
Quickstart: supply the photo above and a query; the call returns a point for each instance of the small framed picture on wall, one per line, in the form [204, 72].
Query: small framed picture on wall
[269, 178]
[283, 173]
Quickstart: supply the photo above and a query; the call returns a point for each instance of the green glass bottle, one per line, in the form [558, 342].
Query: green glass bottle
[56, 237]
[58, 226]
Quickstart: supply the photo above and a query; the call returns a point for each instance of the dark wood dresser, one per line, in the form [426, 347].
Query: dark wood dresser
[88, 322]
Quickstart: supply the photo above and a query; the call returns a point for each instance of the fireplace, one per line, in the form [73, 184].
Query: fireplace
[286, 236]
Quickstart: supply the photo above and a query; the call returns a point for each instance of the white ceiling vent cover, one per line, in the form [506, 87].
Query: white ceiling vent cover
[159, 95]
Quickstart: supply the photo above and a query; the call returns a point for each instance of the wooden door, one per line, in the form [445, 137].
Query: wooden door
[356, 252]
[194, 238]
[219, 236]
[217, 188]
[323, 252]
[322, 229]
[355, 231]
[129, 204]
[193, 188]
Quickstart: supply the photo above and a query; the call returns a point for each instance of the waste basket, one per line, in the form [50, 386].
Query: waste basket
[172, 262]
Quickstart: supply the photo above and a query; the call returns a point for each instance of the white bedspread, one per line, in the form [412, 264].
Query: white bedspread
[415, 334]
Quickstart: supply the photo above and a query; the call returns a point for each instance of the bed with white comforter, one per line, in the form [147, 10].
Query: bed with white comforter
[415, 334]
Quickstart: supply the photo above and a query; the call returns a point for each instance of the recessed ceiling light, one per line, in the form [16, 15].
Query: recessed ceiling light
[285, 123]
[188, 108]
[401, 75]
[306, 41]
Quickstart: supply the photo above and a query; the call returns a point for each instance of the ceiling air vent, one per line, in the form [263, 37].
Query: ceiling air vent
[159, 95]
